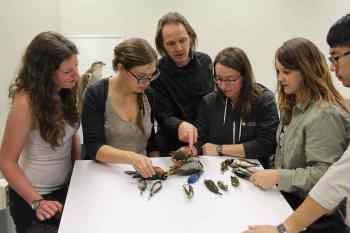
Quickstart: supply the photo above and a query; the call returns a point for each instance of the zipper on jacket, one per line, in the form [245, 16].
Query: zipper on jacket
[234, 126]
[225, 111]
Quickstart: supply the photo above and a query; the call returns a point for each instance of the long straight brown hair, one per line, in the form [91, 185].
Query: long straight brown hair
[302, 55]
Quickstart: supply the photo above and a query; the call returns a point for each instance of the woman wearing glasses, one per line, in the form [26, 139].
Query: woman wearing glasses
[312, 133]
[240, 118]
[117, 118]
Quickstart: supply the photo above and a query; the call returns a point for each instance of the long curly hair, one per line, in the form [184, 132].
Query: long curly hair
[42, 58]
[302, 55]
[235, 58]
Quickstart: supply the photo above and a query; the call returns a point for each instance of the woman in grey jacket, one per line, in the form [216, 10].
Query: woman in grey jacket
[334, 186]
[312, 133]
[240, 118]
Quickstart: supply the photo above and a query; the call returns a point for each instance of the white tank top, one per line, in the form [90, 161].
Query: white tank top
[47, 169]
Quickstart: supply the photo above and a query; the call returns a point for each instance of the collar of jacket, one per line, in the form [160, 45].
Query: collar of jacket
[221, 95]
[301, 107]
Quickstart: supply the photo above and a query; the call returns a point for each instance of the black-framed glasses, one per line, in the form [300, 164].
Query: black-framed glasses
[144, 79]
[227, 81]
[335, 60]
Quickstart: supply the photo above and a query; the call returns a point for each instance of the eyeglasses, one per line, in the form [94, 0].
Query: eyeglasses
[219, 80]
[335, 60]
[146, 78]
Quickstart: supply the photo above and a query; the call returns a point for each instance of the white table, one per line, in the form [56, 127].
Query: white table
[102, 199]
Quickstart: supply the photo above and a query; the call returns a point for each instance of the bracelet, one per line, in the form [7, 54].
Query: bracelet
[35, 204]
[219, 150]
[281, 228]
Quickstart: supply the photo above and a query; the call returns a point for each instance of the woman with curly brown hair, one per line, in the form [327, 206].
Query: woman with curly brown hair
[40, 139]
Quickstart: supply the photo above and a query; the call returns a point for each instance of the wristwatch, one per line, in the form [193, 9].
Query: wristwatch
[281, 228]
[219, 149]
[35, 204]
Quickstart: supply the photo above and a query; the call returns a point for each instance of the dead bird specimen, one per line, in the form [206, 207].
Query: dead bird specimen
[222, 186]
[244, 163]
[225, 165]
[142, 185]
[142, 182]
[237, 162]
[234, 181]
[185, 163]
[192, 167]
[212, 186]
[156, 186]
[180, 156]
[241, 172]
[194, 177]
[160, 174]
[188, 191]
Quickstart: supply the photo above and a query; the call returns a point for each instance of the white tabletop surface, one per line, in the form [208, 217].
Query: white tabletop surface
[102, 199]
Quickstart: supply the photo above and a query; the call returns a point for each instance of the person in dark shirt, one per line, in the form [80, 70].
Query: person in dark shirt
[117, 112]
[240, 118]
[184, 78]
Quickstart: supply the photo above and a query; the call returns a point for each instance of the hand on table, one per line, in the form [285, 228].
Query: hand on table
[143, 165]
[265, 179]
[261, 229]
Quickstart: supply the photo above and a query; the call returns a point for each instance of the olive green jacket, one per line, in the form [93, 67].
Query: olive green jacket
[314, 139]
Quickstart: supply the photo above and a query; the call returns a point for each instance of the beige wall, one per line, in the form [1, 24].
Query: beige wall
[259, 27]
[20, 21]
